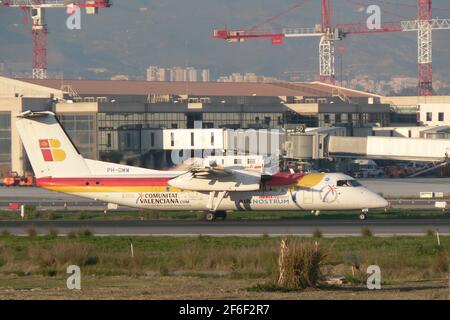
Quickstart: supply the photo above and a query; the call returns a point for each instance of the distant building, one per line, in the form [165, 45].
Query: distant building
[156, 74]
[247, 77]
[191, 74]
[205, 75]
[120, 77]
[178, 74]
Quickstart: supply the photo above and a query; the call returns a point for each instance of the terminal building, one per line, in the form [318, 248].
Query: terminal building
[121, 121]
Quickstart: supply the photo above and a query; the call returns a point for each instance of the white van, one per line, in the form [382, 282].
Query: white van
[367, 169]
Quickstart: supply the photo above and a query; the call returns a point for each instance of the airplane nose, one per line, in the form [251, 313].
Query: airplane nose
[379, 202]
[383, 203]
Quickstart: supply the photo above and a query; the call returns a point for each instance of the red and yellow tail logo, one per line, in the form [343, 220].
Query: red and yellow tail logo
[51, 150]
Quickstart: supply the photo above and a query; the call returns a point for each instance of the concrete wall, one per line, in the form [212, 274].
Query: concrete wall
[78, 107]
[405, 132]
[15, 88]
[414, 100]
[435, 109]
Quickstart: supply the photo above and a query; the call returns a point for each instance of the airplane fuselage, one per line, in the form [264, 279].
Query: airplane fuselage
[282, 192]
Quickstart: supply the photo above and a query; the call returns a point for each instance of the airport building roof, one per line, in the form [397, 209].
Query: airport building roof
[131, 87]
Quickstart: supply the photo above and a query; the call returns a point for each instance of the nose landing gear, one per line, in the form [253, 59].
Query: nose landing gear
[363, 214]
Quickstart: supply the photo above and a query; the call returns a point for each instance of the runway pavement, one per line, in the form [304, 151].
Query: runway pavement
[304, 227]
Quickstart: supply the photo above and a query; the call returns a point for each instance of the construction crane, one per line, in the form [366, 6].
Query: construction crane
[424, 25]
[39, 30]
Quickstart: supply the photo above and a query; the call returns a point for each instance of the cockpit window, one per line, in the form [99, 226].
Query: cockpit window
[348, 183]
[355, 183]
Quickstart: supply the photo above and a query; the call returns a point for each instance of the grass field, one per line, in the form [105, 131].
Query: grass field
[208, 267]
[33, 214]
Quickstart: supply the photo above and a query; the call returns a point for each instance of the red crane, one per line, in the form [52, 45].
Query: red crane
[423, 25]
[425, 48]
[36, 8]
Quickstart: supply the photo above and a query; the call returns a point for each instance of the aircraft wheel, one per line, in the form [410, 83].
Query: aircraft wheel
[210, 216]
[362, 216]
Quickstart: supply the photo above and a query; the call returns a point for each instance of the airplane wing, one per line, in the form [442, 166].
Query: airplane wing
[217, 179]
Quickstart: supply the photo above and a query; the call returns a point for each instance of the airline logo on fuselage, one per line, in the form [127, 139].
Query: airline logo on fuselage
[51, 150]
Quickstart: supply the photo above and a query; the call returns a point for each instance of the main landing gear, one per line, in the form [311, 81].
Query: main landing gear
[363, 214]
[211, 216]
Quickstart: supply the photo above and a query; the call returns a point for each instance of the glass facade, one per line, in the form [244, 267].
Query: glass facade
[243, 120]
[121, 132]
[5, 143]
[337, 119]
[295, 118]
[113, 121]
[81, 128]
[117, 136]
[352, 119]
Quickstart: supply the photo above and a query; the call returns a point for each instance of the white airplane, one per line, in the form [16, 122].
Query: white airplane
[58, 166]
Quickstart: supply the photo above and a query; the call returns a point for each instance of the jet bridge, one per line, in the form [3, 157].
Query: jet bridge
[389, 148]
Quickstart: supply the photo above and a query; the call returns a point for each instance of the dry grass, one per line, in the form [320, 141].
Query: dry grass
[53, 233]
[5, 233]
[150, 215]
[366, 232]
[301, 264]
[63, 254]
[400, 258]
[31, 231]
[123, 260]
[440, 264]
[84, 232]
[317, 234]
[242, 259]
[6, 255]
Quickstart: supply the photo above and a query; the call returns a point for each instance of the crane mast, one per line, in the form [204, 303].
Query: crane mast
[425, 48]
[327, 45]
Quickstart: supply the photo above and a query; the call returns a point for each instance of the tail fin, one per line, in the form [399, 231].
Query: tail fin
[50, 150]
